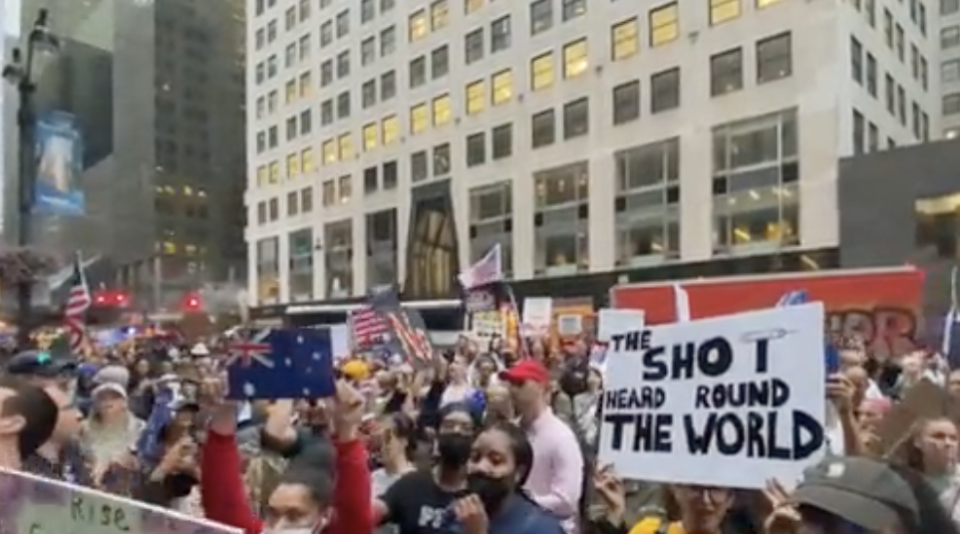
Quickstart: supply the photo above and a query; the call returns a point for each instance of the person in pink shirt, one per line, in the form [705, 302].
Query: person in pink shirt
[556, 478]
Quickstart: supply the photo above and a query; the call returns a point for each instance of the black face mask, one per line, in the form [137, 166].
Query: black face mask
[454, 449]
[492, 491]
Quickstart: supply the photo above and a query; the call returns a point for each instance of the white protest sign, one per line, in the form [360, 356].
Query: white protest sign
[537, 316]
[730, 401]
[340, 341]
[610, 322]
[32, 505]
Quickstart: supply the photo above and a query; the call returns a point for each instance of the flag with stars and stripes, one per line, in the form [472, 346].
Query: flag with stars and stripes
[78, 302]
[282, 364]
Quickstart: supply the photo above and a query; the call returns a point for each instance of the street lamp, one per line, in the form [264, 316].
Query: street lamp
[20, 72]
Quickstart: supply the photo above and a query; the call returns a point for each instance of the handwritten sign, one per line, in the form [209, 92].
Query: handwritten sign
[731, 401]
[31, 505]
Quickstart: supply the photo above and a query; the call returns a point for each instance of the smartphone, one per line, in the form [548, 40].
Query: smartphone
[831, 359]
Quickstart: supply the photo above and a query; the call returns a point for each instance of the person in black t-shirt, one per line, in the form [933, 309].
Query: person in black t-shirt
[420, 502]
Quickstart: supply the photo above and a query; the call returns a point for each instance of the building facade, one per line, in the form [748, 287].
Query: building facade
[398, 142]
[158, 91]
[950, 66]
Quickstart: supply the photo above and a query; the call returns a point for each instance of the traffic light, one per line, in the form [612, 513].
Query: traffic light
[192, 302]
[110, 298]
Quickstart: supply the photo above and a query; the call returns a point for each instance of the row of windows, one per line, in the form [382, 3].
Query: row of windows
[865, 72]
[866, 135]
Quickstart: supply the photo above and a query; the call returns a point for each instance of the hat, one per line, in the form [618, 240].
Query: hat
[109, 386]
[200, 350]
[862, 491]
[355, 370]
[37, 363]
[526, 370]
[113, 374]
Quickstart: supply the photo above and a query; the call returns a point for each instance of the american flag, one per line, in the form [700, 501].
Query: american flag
[78, 302]
[487, 270]
[367, 327]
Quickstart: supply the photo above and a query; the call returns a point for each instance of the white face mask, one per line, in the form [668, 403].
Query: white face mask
[301, 530]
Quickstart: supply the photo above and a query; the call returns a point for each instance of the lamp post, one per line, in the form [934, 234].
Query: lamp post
[20, 73]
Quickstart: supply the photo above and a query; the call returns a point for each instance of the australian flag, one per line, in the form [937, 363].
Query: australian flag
[282, 364]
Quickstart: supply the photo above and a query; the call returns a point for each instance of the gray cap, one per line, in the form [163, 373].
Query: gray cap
[862, 491]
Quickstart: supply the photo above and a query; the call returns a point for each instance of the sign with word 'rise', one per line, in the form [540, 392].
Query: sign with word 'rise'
[730, 401]
[31, 505]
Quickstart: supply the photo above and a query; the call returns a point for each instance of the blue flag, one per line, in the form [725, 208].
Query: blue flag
[282, 364]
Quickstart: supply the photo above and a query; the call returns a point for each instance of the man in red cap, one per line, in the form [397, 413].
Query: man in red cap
[556, 478]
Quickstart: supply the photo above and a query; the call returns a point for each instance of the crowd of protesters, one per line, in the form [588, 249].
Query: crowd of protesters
[480, 442]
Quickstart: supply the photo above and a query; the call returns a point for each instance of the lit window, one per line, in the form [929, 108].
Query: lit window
[169, 247]
[306, 160]
[575, 60]
[541, 72]
[502, 87]
[418, 25]
[370, 136]
[329, 150]
[442, 112]
[390, 127]
[664, 24]
[723, 10]
[262, 175]
[418, 118]
[306, 84]
[274, 172]
[766, 3]
[473, 5]
[345, 188]
[345, 146]
[438, 15]
[291, 91]
[625, 39]
[475, 97]
[293, 166]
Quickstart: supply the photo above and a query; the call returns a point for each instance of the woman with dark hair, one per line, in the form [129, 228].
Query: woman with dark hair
[500, 462]
[398, 446]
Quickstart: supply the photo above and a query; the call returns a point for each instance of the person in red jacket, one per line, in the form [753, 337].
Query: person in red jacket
[308, 500]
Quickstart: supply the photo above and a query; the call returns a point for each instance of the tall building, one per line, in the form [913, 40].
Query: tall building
[401, 140]
[158, 91]
[950, 66]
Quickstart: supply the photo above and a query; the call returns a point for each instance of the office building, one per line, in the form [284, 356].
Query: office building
[399, 141]
[950, 66]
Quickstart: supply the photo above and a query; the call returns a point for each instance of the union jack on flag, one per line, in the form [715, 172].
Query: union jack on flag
[487, 270]
[282, 364]
[251, 348]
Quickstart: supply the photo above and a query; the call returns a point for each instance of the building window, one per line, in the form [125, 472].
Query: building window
[300, 252]
[647, 204]
[949, 37]
[419, 119]
[382, 246]
[343, 105]
[664, 24]
[268, 270]
[442, 112]
[274, 172]
[441, 160]
[439, 62]
[473, 46]
[859, 133]
[343, 23]
[390, 130]
[576, 118]
[625, 39]
[726, 72]
[306, 199]
[949, 7]
[469, 6]
[417, 25]
[293, 204]
[307, 165]
[389, 175]
[543, 128]
[755, 184]
[476, 149]
[329, 193]
[367, 11]
[491, 222]
[950, 70]
[626, 102]
[370, 136]
[338, 257]
[575, 59]
[370, 181]
[419, 166]
[329, 150]
[476, 97]
[345, 146]
[388, 85]
[871, 75]
[368, 94]
[901, 46]
[344, 189]
[856, 60]
[368, 51]
[293, 166]
[665, 90]
[573, 9]
[501, 140]
[502, 87]
[541, 71]
[388, 41]
[951, 104]
[723, 10]
[774, 58]
[541, 16]
[343, 65]
[561, 220]
[873, 138]
[439, 15]
[418, 72]
[500, 34]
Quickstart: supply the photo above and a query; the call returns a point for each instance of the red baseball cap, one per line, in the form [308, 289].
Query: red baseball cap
[526, 370]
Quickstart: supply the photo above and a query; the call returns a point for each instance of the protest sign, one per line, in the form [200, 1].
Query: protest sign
[610, 322]
[31, 505]
[732, 401]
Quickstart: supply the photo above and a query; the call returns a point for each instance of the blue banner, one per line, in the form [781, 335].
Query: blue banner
[59, 160]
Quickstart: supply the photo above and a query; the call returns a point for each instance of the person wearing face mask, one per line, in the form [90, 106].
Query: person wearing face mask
[420, 502]
[27, 419]
[309, 499]
[500, 461]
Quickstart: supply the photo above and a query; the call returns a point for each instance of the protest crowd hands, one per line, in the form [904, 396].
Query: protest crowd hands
[610, 489]
[471, 514]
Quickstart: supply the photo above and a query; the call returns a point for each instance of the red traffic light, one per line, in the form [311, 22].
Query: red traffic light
[192, 302]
